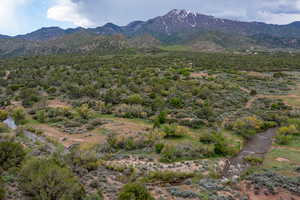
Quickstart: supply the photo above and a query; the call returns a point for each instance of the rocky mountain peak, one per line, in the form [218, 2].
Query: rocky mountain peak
[181, 13]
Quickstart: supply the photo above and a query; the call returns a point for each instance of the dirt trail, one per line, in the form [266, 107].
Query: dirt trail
[257, 146]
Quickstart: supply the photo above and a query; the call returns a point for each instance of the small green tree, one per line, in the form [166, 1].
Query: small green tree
[161, 118]
[44, 179]
[11, 155]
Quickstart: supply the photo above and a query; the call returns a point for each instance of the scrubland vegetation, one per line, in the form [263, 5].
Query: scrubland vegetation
[137, 126]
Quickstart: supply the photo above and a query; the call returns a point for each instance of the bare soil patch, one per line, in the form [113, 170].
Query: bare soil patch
[257, 74]
[70, 139]
[57, 104]
[201, 75]
[124, 127]
[7, 73]
[97, 136]
[282, 160]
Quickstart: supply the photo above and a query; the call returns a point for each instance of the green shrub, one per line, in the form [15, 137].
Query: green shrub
[207, 138]
[130, 143]
[3, 115]
[84, 111]
[176, 102]
[3, 128]
[248, 126]
[268, 124]
[159, 147]
[2, 190]
[295, 122]
[220, 143]
[11, 155]
[285, 134]
[134, 99]
[204, 92]
[51, 90]
[279, 75]
[19, 115]
[169, 154]
[161, 118]
[29, 96]
[173, 131]
[134, 191]
[186, 151]
[84, 159]
[130, 111]
[41, 116]
[283, 139]
[168, 176]
[44, 179]
[253, 160]
[95, 196]
[288, 130]
[253, 92]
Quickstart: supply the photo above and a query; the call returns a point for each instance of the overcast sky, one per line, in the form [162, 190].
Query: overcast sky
[23, 16]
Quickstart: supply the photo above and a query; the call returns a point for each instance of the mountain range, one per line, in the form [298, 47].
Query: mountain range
[178, 28]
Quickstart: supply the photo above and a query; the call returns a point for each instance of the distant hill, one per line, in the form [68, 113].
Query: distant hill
[191, 31]
[4, 37]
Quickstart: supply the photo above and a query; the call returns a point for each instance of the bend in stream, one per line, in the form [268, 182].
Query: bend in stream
[257, 146]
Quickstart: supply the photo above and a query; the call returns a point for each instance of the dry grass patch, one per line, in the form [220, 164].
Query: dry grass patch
[201, 75]
[124, 127]
[70, 139]
[257, 74]
[58, 104]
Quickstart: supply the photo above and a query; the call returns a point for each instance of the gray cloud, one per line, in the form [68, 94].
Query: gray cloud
[282, 7]
[97, 12]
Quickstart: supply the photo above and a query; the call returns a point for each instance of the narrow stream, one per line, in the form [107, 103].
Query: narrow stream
[33, 137]
[257, 146]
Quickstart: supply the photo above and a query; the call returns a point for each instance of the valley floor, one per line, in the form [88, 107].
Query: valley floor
[168, 131]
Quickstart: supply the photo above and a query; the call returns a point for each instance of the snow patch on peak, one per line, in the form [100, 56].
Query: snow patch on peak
[182, 13]
[176, 12]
